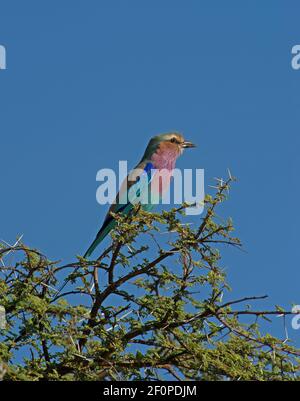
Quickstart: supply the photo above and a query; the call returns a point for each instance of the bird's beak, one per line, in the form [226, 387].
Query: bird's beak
[187, 144]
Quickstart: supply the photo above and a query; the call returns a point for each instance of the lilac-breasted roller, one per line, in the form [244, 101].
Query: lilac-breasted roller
[160, 155]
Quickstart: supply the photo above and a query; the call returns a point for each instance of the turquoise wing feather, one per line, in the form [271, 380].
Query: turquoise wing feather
[136, 190]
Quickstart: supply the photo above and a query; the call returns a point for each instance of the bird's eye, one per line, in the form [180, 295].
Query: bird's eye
[174, 140]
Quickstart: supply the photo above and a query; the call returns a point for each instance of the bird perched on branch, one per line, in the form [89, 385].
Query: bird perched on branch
[160, 155]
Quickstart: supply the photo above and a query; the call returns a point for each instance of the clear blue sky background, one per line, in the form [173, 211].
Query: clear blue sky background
[89, 82]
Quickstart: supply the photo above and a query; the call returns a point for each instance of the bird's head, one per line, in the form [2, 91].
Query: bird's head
[171, 143]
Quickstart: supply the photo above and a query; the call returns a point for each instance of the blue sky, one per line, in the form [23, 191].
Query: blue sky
[88, 83]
